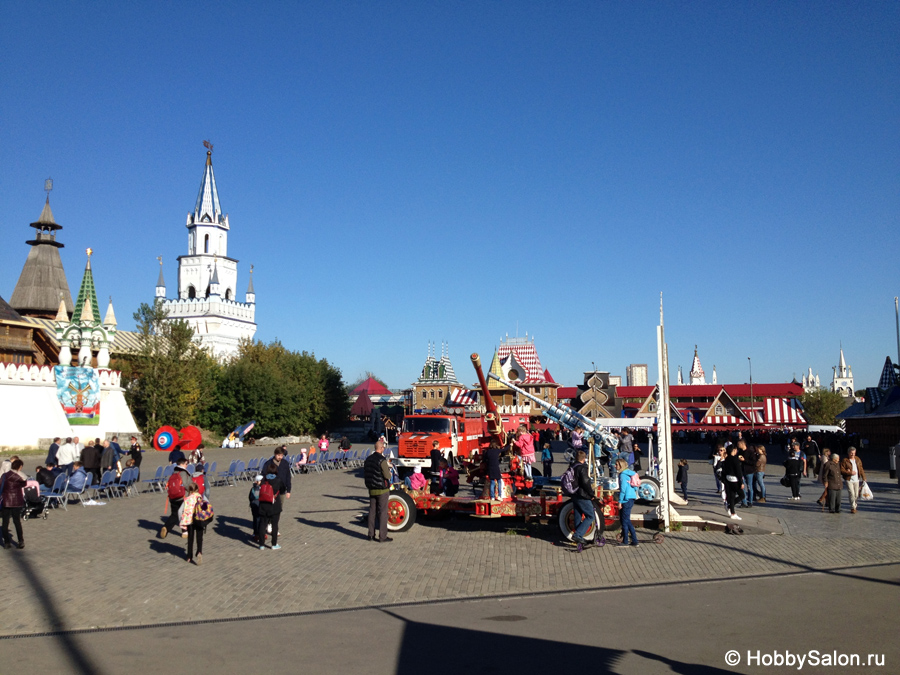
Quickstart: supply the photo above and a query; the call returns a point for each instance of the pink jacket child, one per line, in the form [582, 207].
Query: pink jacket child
[525, 447]
[416, 480]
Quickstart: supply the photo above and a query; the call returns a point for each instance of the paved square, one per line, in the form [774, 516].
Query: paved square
[104, 566]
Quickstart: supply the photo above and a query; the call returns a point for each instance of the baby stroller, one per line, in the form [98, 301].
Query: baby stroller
[34, 505]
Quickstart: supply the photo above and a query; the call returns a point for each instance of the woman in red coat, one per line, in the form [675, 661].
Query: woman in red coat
[12, 501]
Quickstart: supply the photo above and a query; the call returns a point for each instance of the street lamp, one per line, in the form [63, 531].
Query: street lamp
[752, 413]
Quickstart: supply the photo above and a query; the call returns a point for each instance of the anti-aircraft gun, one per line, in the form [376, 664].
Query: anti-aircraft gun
[570, 419]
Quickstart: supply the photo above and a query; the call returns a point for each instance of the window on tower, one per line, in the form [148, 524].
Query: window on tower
[206, 245]
[228, 294]
[207, 291]
[192, 292]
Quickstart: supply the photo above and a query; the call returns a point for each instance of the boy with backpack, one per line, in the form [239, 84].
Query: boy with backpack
[176, 487]
[576, 483]
[269, 510]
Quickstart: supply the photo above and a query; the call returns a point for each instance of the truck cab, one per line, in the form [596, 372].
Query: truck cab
[458, 435]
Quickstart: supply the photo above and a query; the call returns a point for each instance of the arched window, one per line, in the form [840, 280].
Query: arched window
[720, 410]
[192, 292]
[228, 294]
[206, 243]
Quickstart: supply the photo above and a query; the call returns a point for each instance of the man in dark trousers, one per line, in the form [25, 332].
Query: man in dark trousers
[176, 494]
[813, 456]
[377, 473]
[748, 457]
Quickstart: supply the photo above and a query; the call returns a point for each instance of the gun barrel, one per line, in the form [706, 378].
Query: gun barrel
[491, 418]
[566, 416]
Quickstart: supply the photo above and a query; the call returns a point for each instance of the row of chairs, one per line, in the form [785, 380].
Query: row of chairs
[329, 461]
[163, 473]
[110, 486]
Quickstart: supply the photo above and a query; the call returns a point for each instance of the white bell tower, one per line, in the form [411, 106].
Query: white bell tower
[207, 276]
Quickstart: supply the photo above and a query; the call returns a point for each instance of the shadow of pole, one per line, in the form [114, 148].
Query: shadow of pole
[80, 660]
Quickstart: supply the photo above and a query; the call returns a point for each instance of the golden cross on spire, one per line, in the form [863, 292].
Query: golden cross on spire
[159, 257]
[90, 252]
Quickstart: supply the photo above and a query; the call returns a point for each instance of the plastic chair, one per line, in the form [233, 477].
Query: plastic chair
[57, 492]
[155, 482]
[79, 494]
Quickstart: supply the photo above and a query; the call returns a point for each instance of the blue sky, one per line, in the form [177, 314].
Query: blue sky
[406, 172]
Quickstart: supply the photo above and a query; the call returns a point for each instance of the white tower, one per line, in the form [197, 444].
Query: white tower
[842, 381]
[207, 277]
[697, 374]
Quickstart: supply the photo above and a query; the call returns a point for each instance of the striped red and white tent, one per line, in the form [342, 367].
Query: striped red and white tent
[784, 411]
[723, 419]
[464, 397]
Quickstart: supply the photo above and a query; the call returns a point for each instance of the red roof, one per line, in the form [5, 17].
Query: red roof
[710, 391]
[362, 407]
[564, 393]
[548, 377]
[372, 387]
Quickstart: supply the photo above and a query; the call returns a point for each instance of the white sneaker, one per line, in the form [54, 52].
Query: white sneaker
[571, 535]
[735, 516]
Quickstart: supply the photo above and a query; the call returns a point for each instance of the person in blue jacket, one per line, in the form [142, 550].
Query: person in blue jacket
[627, 495]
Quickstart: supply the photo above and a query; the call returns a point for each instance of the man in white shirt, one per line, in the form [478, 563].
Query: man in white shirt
[67, 454]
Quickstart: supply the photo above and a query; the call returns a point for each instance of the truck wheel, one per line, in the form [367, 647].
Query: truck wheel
[649, 491]
[567, 522]
[401, 512]
[535, 473]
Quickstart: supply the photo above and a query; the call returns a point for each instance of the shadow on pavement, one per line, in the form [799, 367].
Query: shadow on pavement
[361, 500]
[238, 529]
[337, 527]
[160, 546]
[80, 661]
[796, 565]
[489, 653]
[681, 666]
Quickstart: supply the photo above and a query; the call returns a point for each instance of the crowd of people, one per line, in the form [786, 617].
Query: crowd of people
[740, 470]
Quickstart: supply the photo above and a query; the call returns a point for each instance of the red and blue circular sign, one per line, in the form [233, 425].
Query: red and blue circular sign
[165, 438]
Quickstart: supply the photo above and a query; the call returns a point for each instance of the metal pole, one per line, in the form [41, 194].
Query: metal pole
[897, 319]
[752, 413]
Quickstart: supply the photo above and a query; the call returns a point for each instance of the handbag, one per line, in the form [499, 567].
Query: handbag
[785, 481]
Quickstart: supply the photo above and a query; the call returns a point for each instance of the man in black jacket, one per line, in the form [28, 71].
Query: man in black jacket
[108, 460]
[377, 473]
[582, 500]
[90, 460]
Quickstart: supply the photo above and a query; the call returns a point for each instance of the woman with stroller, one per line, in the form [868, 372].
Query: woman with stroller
[13, 501]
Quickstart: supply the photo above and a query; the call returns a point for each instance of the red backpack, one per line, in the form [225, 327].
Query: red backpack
[266, 493]
[175, 486]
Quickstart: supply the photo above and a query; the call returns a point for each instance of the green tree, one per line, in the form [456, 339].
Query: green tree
[822, 406]
[285, 392]
[170, 378]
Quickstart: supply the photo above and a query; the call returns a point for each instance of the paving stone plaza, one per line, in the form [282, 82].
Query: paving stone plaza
[104, 566]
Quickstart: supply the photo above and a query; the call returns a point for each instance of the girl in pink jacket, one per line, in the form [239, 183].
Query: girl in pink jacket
[525, 448]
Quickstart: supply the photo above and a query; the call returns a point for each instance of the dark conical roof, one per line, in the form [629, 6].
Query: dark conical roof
[43, 280]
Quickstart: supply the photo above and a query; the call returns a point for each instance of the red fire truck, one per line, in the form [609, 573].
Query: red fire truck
[462, 435]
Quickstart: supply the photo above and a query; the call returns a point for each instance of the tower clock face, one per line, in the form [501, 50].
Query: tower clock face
[513, 374]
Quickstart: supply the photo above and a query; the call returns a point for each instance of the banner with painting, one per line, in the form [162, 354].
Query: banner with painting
[78, 391]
